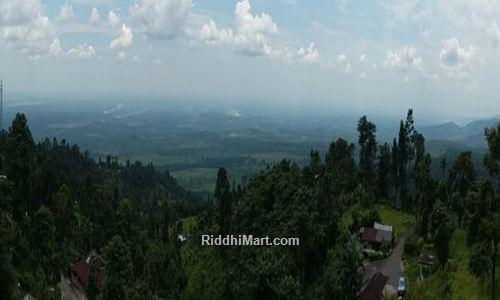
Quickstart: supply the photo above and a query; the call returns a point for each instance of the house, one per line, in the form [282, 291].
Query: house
[80, 272]
[375, 238]
[374, 289]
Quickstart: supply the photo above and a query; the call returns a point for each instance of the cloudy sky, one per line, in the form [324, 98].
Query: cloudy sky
[440, 57]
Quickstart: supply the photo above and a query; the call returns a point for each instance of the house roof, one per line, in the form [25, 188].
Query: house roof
[82, 269]
[379, 226]
[384, 232]
[368, 234]
[373, 290]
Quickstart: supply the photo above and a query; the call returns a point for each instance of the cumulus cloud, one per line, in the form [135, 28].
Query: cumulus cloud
[19, 12]
[452, 55]
[81, 52]
[55, 48]
[66, 13]
[309, 54]
[33, 39]
[95, 17]
[250, 35]
[163, 19]
[124, 40]
[114, 19]
[250, 25]
[403, 59]
[121, 56]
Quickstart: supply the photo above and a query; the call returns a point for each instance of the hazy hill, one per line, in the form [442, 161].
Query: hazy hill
[470, 135]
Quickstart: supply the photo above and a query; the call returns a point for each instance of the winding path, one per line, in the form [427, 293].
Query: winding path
[392, 266]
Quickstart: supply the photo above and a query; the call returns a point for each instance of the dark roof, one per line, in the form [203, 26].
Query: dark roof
[373, 290]
[368, 234]
[82, 270]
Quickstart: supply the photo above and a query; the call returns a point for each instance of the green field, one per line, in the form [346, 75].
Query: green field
[455, 281]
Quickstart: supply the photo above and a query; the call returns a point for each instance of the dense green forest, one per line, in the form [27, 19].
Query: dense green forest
[57, 205]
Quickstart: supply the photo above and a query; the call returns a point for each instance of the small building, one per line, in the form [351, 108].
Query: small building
[375, 238]
[374, 289]
[80, 272]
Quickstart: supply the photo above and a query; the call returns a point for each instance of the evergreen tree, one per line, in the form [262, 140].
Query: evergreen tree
[118, 269]
[402, 190]
[340, 169]
[384, 171]
[441, 231]
[368, 151]
[223, 196]
[19, 155]
[43, 241]
[462, 177]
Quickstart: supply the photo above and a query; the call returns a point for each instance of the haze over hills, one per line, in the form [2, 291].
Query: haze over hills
[192, 140]
[471, 135]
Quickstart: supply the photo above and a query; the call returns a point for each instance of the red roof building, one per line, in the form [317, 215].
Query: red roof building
[374, 289]
[80, 272]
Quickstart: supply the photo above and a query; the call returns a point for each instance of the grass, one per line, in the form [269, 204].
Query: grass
[401, 222]
[197, 180]
[455, 281]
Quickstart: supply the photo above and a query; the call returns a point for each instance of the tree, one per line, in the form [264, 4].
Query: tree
[223, 196]
[483, 259]
[19, 153]
[441, 231]
[340, 169]
[493, 140]
[341, 279]
[118, 269]
[462, 177]
[65, 219]
[384, 171]
[368, 150]
[402, 187]
[7, 275]
[425, 194]
[43, 243]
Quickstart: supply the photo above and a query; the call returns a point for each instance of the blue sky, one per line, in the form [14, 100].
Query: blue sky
[439, 57]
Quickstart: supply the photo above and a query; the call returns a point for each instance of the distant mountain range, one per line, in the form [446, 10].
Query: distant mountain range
[470, 135]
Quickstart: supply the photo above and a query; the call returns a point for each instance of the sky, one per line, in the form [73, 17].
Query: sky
[440, 57]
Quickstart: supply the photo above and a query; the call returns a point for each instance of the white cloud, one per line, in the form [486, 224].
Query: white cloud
[403, 59]
[81, 52]
[32, 39]
[66, 13]
[19, 12]
[95, 17]
[452, 55]
[250, 25]
[55, 48]
[114, 19]
[250, 35]
[124, 40]
[121, 56]
[362, 59]
[163, 19]
[309, 54]
[209, 33]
